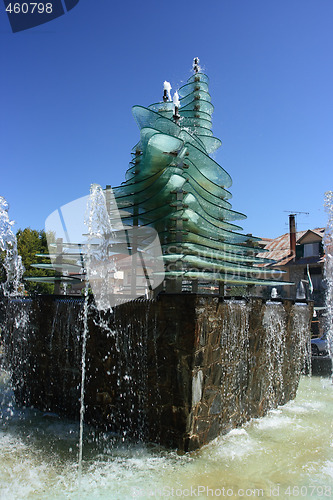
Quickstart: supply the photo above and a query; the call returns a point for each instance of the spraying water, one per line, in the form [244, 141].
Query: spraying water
[12, 261]
[167, 87]
[83, 377]
[17, 307]
[175, 99]
[328, 245]
[99, 267]
[99, 263]
[274, 322]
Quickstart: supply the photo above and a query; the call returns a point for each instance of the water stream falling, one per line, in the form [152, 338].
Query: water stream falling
[274, 323]
[12, 262]
[328, 246]
[17, 307]
[83, 376]
[98, 268]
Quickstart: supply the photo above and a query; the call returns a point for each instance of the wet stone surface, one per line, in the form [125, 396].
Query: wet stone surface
[178, 370]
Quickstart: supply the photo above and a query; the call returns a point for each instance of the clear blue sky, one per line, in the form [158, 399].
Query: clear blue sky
[67, 88]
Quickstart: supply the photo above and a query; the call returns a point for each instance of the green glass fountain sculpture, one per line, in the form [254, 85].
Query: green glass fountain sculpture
[174, 186]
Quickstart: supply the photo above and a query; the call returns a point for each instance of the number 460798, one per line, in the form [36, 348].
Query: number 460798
[29, 8]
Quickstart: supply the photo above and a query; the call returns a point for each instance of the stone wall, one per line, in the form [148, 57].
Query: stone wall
[248, 359]
[178, 370]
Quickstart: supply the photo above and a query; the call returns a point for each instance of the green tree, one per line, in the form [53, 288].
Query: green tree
[29, 243]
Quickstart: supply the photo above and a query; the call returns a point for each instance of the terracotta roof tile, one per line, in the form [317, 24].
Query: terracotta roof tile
[279, 248]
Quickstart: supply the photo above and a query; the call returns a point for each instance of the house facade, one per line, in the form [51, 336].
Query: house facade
[300, 255]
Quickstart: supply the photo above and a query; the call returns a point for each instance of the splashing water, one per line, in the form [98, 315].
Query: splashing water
[17, 307]
[38, 459]
[99, 263]
[167, 87]
[99, 266]
[83, 378]
[274, 322]
[12, 261]
[328, 246]
[175, 99]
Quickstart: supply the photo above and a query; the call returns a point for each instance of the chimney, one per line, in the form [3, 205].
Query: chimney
[292, 235]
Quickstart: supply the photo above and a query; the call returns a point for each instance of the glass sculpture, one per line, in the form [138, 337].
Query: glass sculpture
[175, 187]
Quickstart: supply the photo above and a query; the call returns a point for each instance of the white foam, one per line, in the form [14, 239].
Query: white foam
[176, 101]
[274, 421]
[237, 444]
[167, 87]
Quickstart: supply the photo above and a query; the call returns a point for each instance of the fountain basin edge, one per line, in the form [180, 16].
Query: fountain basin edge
[178, 370]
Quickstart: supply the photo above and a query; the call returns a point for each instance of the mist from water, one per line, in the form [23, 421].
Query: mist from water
[328, 246]
[12, 262]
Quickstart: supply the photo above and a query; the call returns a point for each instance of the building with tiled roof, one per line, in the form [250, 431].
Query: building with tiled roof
[301, 256]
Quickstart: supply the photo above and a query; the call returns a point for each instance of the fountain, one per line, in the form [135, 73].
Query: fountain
[328, 246]
[159, 353]
[12, 262]
[14, 307]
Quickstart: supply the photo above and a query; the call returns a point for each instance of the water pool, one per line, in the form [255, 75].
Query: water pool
[287, 454]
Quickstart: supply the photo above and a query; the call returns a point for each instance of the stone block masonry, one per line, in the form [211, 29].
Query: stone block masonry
[178, 370]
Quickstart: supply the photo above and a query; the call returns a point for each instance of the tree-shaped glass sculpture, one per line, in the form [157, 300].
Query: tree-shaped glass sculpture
[174, 186]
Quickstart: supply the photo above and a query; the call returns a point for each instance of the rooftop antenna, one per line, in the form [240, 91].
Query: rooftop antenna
[292, 212]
